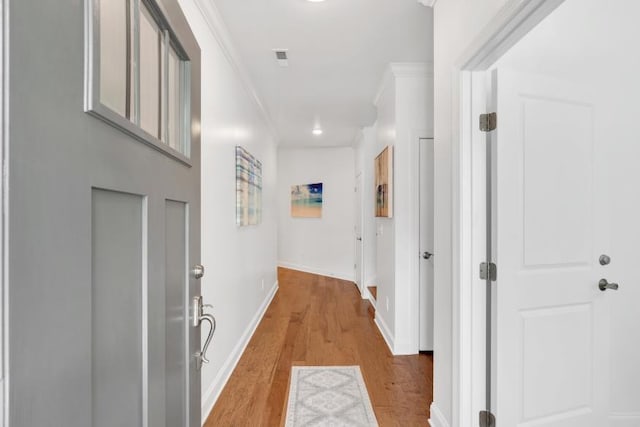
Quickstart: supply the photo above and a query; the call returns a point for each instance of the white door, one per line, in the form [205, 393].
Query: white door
[426, 243]
[551, 351]
[103, 227]
[566, 214]
[358, 243]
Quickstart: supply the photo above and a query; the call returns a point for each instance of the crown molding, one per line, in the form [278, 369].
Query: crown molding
[428, 3]
[396, 70]
[221, 33]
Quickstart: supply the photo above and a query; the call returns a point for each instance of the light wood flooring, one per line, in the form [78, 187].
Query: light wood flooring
[317, 320]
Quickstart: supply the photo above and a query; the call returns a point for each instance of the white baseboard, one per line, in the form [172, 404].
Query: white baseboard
[213, 392]
[437, 419]
[384, 330]
[318, 271]
[367, 295]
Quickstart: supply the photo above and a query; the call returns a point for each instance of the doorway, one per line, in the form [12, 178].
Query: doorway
[564, 218]
[426, 182]
[358, 243]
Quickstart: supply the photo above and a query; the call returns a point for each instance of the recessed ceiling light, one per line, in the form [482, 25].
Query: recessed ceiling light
[316, 131]
[315, 1]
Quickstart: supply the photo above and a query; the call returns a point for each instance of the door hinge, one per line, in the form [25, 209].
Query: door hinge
[487, 419]
[488, 122]
[488, 270]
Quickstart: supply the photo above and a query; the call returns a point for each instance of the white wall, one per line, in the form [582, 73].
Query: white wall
[405, 111]
[318, 245]
[456, 24]
[240, 263]
[365, 154]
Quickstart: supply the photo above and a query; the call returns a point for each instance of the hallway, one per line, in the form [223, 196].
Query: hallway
[317, 320]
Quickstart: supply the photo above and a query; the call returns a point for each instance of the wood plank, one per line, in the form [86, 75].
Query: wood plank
[317, 320]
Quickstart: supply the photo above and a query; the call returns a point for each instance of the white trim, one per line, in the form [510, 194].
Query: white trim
[385, 332]
[220, 32]
[367, 295]
[510, 24]
[213, 392]
[306, 269]
[437, 419]
[428, 3]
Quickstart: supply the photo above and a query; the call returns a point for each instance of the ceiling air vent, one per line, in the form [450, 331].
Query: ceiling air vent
[281, 57]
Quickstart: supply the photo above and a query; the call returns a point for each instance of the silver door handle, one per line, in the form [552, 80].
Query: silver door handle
[426, 255]
[603, 284]
[198, 271]
[212, 323]
[200, 316]
[359, 239]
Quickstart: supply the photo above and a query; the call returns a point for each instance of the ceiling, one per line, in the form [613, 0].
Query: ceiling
[337, 51]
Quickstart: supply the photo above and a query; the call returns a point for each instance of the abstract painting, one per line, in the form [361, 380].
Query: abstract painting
[306, 201]
[248, 188]
[384, 183]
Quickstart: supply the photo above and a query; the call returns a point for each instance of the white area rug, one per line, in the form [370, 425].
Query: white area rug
[328, 396]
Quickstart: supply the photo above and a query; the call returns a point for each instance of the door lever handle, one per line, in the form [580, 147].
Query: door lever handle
[200, 316]
[212, 324]
[427, 255]
[603, 284]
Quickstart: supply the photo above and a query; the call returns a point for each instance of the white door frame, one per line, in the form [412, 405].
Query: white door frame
[511, 23]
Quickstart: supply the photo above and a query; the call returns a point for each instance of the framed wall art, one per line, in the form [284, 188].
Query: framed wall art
[248, 188]
[306, 201]
[384, 183]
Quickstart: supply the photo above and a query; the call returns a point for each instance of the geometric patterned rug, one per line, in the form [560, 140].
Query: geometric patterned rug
[323, 396]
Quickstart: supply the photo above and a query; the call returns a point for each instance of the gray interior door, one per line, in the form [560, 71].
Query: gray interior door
[103, 229]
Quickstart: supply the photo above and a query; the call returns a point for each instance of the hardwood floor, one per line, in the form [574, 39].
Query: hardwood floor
[373, 290]
[316, 320]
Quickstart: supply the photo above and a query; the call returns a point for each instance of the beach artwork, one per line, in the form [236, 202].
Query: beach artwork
[248, 188]
[306, 201]
[384, 183]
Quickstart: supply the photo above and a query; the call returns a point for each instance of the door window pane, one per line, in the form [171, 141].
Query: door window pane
[114, 18]
[174, 102]
[150, 68]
